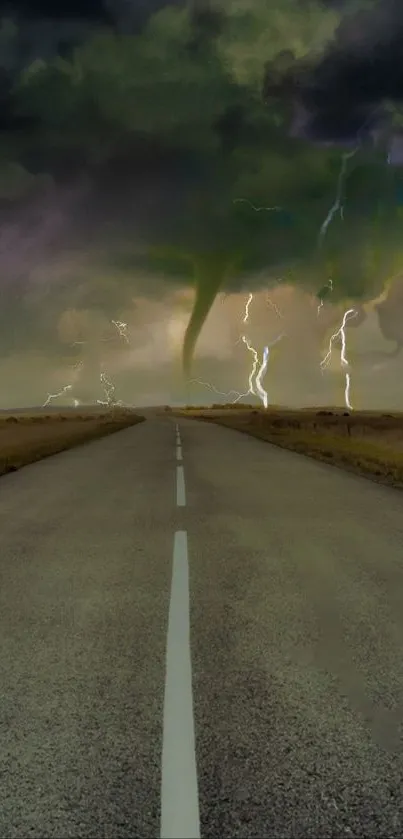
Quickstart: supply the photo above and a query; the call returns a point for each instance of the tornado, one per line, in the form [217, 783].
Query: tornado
[210, 273]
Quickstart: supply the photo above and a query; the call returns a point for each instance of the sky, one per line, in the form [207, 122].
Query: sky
[191, 191]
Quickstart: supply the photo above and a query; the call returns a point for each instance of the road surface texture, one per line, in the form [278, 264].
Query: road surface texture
[283, 715]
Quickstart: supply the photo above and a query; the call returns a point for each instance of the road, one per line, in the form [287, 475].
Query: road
[281, 716]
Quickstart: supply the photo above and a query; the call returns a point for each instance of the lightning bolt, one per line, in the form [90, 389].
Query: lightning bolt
[254, 388]
[251, 349]
[109, 390]
[243, 338]
[256, 209]
[108, 386]
[337, 205]
[258, 381]
[218, 392]
[257, 388]
[56, 395]
[122, 330]
[329, 285]
[248, 302]
[75, 367]
[274, 307]
[341, 334]
[254, 365]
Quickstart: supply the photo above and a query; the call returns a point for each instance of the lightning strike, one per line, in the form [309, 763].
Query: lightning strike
[56, 395]
[246, 314]
[76, 368]
[256, 209]
[109, 390]
[274, 307]
[211, 387]
[255, 388]
[258, 381]
[262, 370]
[254, 352]
[251, 390]
[122, 330]
[337, 206]
[341, 334]
[329, 285]
[251, 349]
[108, 386]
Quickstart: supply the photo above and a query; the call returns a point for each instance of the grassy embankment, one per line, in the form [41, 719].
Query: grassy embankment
[25, 438]
[367, 442]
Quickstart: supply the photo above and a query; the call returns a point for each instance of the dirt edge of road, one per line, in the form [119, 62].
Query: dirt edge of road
[367, 443]
[26, 438]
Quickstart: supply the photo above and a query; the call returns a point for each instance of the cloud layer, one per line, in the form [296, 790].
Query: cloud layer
[143, 172]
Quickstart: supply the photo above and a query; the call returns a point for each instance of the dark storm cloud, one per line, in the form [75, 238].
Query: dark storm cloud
[36, 9]
[165, 128]
[361, 69]
[131, 12]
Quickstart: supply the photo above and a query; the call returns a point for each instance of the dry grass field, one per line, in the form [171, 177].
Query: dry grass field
[27, 437]
[367, 442]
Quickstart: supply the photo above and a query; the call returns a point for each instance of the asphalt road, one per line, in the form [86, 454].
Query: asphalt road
[280, 717]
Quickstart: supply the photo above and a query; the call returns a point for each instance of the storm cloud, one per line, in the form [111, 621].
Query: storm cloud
[155, 156]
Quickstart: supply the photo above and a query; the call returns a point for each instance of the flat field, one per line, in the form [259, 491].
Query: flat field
[27, 436]
[367, 442]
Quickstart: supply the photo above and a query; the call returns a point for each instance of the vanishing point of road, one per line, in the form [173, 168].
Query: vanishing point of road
[201, 636]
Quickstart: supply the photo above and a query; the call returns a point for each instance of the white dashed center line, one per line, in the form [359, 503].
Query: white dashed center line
[180, 817]
[180, 487]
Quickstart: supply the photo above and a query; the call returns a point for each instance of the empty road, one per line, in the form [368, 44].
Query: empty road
[201, 636]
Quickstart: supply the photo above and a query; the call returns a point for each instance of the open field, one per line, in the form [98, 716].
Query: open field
[29, 436]
[367, 442]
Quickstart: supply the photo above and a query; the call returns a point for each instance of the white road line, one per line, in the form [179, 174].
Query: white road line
[179, 452]
[180, 487]
[180, 817]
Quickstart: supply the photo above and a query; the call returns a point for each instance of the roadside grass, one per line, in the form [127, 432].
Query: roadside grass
[26, 438]
[369, 443]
